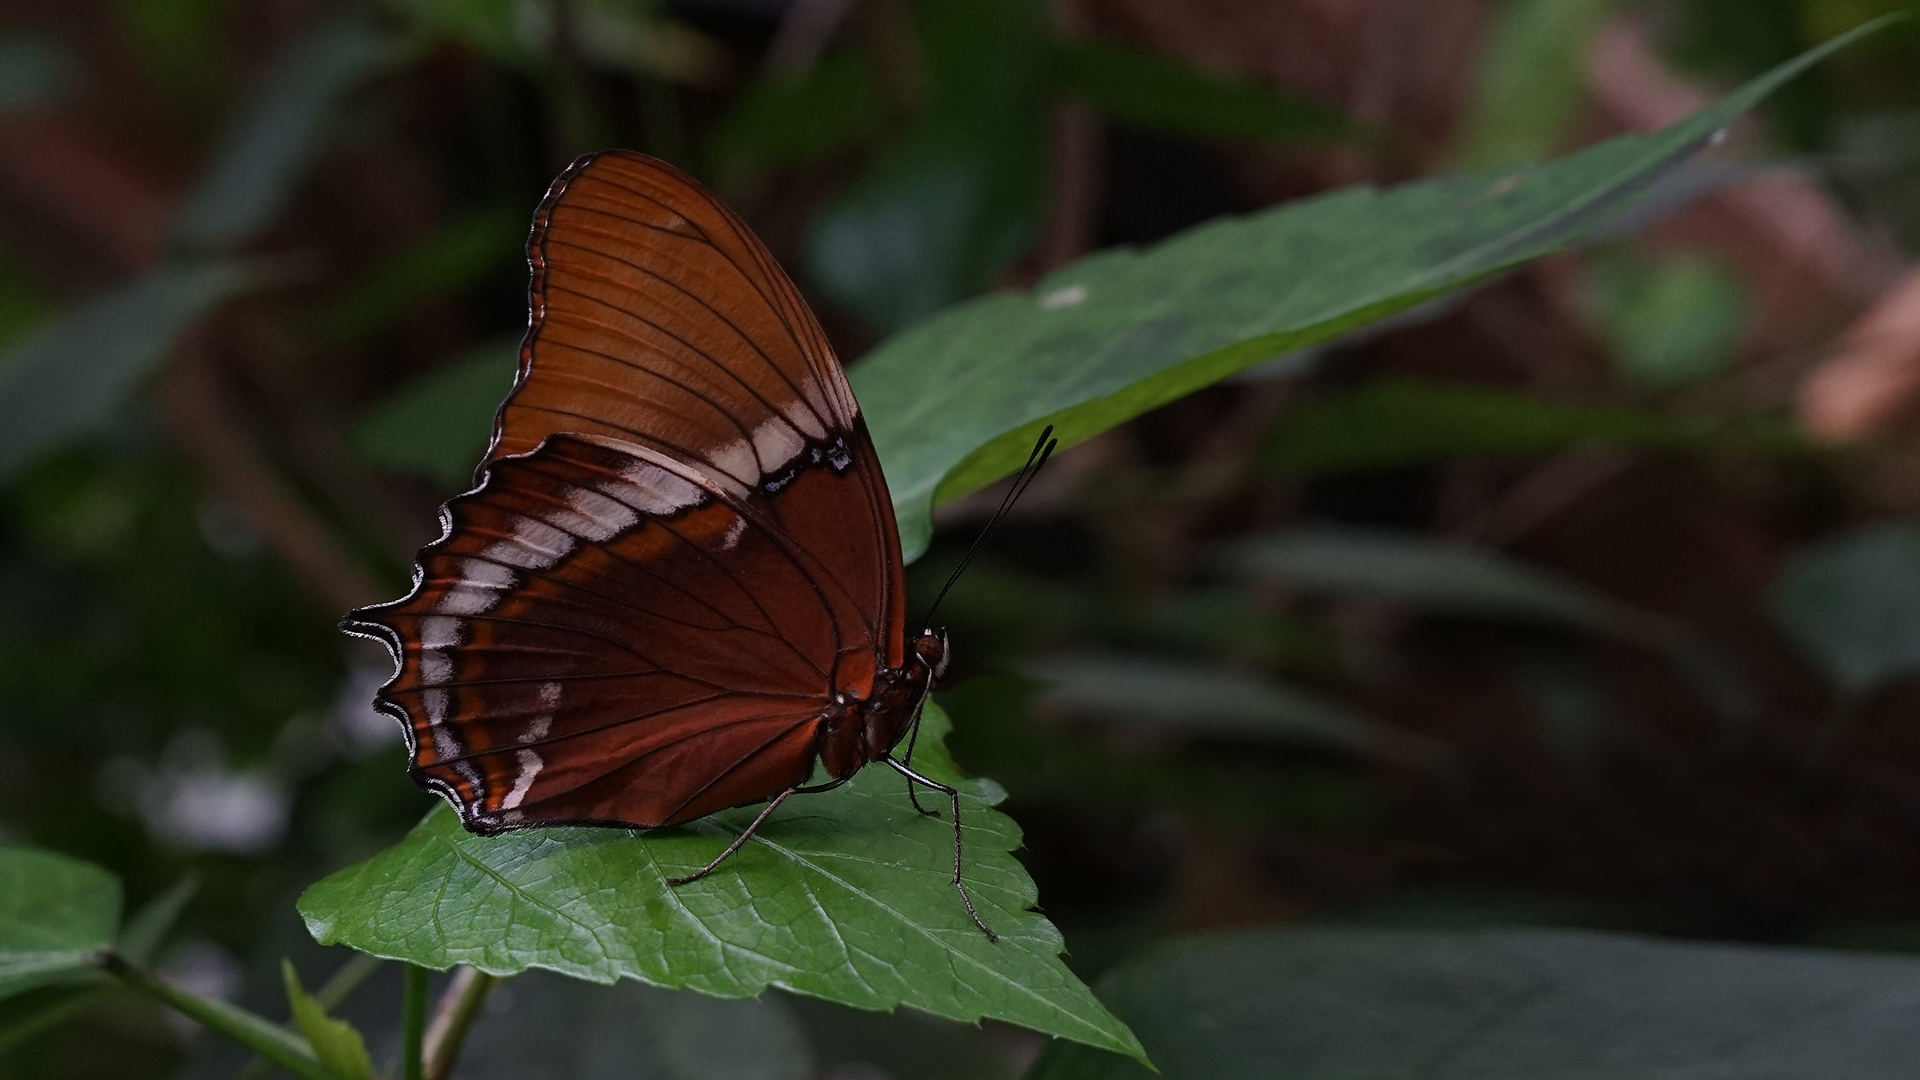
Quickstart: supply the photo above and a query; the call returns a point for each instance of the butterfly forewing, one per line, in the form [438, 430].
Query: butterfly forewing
[680, 547]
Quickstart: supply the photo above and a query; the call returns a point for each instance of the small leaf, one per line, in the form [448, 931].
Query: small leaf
[1503, 1005]
[438, 425]
[281, 133]
[946, 211]
[335, 1042]
[784, 121]
[68, 380]
[1194, 700]
[1435, 576]
[453, 257]
[56, 916]
[1530, 90]
[1671, 321]
[1853, 602]
[934, 223]
[842, 896]
[139, 940]
[955, 402]
[1397, 422]
[1152, 91]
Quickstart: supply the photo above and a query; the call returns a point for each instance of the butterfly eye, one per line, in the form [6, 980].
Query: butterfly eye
[932, 647]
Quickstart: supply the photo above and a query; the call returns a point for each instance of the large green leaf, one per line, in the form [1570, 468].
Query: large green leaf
[68, 380]
[956, 401]
[56, 915]
[842, 896]
[1503, 1005]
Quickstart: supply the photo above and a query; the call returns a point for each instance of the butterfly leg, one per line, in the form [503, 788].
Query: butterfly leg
[953, 797]
[740, 840]
[913, 793]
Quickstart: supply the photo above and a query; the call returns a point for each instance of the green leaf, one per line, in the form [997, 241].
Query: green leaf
[1396, 422]
[1853, 603]
[1530, 90]
[139, 940]
[448, 260]
[68, 380]
[438, 425]
[56, 916]
[1670, 321]
[1435, 576]
[338, 1046]
[1503, 1005]
[956, 402]
[282, 1047]
[508, 31]
[783, 121]
[1460, 580]
[1152, 91]
[1190, 699]
[842, 896]
[280, 134]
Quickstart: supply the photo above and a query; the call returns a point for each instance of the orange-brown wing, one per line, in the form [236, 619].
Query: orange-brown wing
[606, 636]
[657, 318]
[680, 544]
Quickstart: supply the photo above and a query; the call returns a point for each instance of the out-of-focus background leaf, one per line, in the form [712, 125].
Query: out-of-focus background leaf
[70, 378]
[1519, 1003]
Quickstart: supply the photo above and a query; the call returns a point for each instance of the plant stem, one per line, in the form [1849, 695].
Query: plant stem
[268, 1039]
[453, 1017]
[413, 1023]
[335, 992]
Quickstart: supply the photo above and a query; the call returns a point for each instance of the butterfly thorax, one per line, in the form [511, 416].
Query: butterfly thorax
[856, 730]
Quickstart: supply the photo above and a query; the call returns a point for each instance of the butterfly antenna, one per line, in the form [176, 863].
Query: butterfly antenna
[1042, 450]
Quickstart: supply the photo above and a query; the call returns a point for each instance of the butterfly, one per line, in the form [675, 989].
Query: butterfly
[676, 586]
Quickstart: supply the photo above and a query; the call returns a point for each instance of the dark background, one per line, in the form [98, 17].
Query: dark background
[175, 699]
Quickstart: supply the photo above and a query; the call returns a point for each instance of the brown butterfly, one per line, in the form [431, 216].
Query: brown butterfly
[677, 584]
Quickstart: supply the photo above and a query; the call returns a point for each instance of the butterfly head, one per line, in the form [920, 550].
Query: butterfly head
[932, 649]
